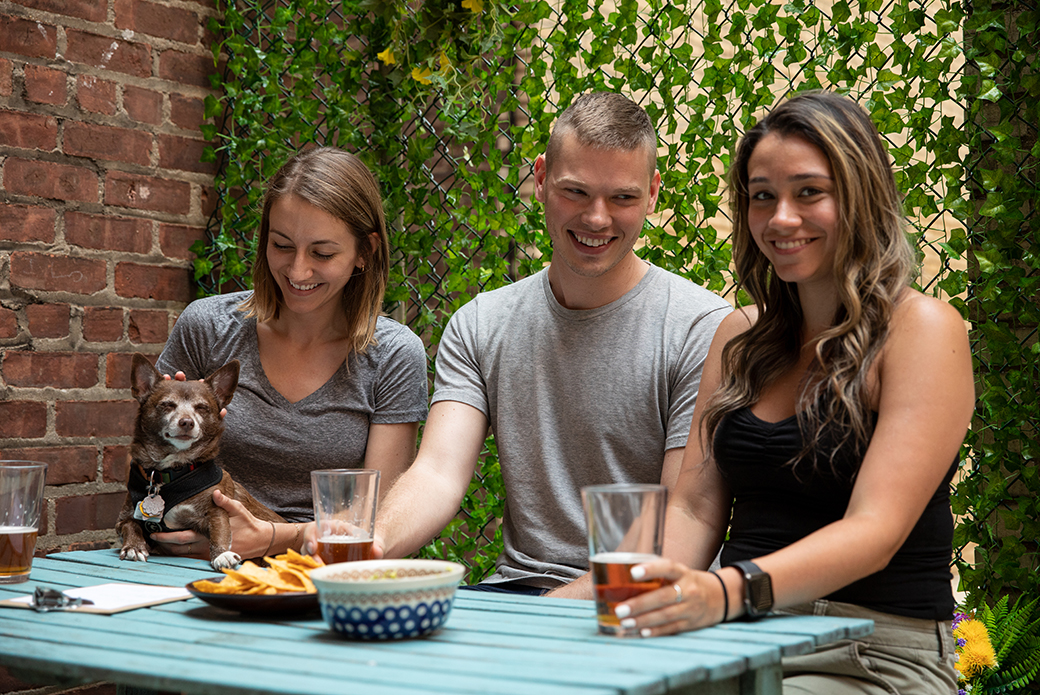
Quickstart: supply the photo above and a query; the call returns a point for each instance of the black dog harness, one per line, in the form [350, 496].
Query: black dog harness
[171, 487]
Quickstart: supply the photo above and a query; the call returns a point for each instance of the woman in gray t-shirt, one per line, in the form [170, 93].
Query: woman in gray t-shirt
[325, 381]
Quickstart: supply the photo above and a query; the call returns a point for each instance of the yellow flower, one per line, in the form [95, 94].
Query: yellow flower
[476, 6]
[445, 62]
[422, 75]
[977, 653]
[387, 56]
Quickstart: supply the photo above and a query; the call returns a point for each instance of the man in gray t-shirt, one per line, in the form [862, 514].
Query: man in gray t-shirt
[586, 372]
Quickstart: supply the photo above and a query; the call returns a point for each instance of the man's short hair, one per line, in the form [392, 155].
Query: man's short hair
[604, 120]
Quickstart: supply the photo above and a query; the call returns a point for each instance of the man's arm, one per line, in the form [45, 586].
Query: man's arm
[428, 494]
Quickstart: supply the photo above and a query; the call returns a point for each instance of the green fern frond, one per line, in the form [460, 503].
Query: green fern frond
[1014, 632]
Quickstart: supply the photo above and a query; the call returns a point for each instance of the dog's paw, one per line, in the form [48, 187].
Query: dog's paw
[131, 553]
[226, 560]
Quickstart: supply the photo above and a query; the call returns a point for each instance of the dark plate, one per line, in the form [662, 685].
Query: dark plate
[297, 602]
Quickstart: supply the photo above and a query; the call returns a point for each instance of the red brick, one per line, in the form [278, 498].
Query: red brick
[95, 418]
[143, 105]
[28, 130]
[184, 154]
[153, 282]
[91, 10]
[108, 53]
[48, 320]
[28, 38]
[175, 240]
[23, 419]
[26, 223]
[8, 323]
[102, 324]
[61, 370]
[117, 369]
[148, 326]
[6, 86]
[49, 180]
[147, 193]
[186, 112]
[57, 273]
[91, 512]
[65, 464]
[109, 233]
[115, 464]
[96, 95]
[164, 22]
[209, 201]
[106, 142]
[187, 68]
[45, 85]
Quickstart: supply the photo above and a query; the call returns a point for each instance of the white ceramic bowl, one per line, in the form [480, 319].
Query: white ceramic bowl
[387, 599]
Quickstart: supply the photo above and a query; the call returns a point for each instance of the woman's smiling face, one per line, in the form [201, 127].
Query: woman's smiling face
[312, 255]
[792, 208]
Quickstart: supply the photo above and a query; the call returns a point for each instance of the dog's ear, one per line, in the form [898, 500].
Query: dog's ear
[224, 381]
[142, 377]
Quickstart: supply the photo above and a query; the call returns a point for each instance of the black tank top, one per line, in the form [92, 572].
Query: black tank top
[775, 505]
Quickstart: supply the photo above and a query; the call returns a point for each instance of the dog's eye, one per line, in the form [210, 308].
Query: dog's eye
[167, 405]
[201, 408]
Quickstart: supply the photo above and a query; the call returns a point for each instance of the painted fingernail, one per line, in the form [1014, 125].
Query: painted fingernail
[622, 611]
[645, 632]
[628, 623]
[637, 572]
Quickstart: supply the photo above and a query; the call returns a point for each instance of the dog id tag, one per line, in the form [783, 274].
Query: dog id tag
[151, 507]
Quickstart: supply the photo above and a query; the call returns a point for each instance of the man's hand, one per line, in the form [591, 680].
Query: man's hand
[579, 588]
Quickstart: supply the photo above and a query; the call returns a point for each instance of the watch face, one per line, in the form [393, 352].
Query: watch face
[760, 590]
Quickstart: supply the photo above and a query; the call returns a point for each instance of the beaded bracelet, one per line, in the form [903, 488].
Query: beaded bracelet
[725, 597]
[296, 537]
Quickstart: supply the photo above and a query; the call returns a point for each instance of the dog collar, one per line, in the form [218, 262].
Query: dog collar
[168, 476]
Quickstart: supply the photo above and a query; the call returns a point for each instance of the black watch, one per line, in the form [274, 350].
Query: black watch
[758, 589]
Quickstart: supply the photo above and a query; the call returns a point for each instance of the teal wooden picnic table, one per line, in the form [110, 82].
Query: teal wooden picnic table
[491, 643]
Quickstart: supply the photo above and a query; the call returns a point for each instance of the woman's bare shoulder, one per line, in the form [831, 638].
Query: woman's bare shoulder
[738, 321]
[920, 314]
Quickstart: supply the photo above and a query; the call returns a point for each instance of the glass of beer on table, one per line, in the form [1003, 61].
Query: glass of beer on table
[21, 502]
[626, 528]
[345, 513]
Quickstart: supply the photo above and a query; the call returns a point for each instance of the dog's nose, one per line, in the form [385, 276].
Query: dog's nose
[185, 423]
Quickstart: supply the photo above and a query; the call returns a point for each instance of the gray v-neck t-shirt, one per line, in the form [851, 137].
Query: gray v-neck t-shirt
[271, 445]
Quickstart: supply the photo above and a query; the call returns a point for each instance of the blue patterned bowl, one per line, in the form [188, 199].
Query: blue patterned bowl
[387, 599]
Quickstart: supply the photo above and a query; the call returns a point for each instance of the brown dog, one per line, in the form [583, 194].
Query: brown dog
[172, 467]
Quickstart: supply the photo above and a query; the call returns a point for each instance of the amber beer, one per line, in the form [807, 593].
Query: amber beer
[17, 544]
[612, 577]
[333, 549]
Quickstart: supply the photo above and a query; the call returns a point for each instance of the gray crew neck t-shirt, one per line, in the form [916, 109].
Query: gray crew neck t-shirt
[575, 398]
[270, 445]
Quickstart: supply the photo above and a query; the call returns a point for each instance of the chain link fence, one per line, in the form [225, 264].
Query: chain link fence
[454, 153]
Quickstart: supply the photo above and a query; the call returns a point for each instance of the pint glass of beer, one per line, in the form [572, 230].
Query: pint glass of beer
[345, 513]
[21, 502]
[626, 528]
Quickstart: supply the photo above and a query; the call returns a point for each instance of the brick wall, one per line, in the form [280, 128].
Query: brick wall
[101, 193]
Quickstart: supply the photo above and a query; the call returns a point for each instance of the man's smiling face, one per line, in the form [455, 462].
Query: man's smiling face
[596, 201]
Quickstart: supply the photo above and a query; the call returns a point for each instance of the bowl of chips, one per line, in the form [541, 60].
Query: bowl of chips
[283, 586]
[387, 599]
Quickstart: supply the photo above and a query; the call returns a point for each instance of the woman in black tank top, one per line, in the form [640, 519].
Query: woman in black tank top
[831, 411]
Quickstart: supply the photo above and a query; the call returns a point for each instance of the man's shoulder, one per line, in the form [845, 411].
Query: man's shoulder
[515, 293]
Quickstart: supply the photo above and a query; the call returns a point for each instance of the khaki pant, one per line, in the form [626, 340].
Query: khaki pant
[904, 656]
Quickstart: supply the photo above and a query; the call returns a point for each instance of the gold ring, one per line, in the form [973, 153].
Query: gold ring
[678, 592]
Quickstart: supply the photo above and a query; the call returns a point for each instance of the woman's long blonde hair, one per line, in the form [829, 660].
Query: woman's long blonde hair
[339, 183]
[872, 266]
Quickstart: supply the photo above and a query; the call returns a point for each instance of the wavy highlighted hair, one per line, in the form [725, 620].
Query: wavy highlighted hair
[872, 266]
[340, 184]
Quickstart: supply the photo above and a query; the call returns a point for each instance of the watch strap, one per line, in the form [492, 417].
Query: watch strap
[758, 589]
